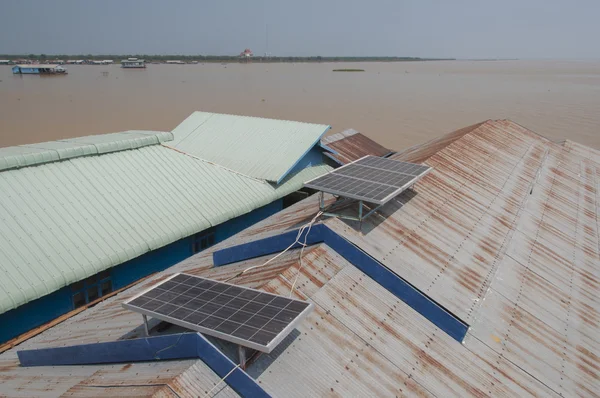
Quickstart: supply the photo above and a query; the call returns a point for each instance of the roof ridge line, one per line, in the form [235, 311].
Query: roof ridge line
[526, 128]
[214, 164]
[35, 154]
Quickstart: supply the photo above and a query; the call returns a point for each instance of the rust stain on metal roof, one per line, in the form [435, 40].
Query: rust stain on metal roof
[503, 233]
[422, 152]
[351, 145]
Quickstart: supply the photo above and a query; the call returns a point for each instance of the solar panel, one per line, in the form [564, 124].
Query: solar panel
[371, 179]
[392, 165]
[243, 316]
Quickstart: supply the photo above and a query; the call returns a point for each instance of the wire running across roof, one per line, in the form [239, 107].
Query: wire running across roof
[371, 179]
[244, 316]
[513, 251]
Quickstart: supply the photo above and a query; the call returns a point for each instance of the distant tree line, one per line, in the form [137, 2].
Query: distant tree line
[210, 58]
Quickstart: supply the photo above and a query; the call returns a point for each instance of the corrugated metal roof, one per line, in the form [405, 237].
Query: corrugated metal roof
[503, 232]
[351, 145]
[266, 149]
[361, 340]
[68, 220]
[446, 239]
[107, 321]
[45, 152]
[582, 150]
[421, 152]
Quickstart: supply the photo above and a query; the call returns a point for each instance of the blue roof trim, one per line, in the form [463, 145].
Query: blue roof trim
[266, 246]
[398, 286]
[303, 155]
[330, 156]
[173, 346]
[238, 380]
[328, 148]
[179, 346]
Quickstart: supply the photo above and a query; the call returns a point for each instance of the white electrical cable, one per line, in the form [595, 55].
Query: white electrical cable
[302, 252]
[296, 241]
[221, 381]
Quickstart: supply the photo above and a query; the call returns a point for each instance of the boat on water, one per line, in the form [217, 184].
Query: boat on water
[39, 69]
[133, 63]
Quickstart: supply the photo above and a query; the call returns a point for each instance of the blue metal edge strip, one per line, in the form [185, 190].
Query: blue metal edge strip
[399, 287]
[266, 246]
[238, 380]
[175, 346]
[330, 156]
[320, 233]
[327, 148]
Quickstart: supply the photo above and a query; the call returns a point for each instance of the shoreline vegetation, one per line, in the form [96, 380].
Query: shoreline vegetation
[208, 58]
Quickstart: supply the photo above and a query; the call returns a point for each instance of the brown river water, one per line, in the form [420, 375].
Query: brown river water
[397, 104]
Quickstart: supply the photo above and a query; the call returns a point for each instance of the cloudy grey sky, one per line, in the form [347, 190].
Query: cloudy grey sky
[421, 28]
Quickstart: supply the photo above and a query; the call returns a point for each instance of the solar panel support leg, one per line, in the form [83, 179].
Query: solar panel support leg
[146, 326]
[372, 211]
[360, 215]
[321, 201]
[242, 355]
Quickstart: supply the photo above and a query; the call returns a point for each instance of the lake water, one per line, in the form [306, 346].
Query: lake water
[397, 104]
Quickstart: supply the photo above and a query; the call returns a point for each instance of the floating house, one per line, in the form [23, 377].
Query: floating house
[30, 69]
[5, 62]
[133, 63]
[75, 61]
[86, 216]
[175, 62]
[481, 280]
[101, 62]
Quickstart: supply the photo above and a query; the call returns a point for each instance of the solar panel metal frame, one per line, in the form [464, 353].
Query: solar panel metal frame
[211, 332]
[340, 192]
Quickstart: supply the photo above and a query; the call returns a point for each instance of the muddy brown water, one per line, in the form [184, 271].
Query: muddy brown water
[397, 104]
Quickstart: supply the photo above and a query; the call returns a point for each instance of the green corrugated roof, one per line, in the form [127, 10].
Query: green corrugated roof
[266, 149]
[32, 154]
[64, 221]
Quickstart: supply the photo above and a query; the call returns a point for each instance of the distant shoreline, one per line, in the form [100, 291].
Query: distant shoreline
[209, 58]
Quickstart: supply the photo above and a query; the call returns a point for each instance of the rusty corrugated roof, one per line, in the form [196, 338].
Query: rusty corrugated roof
[351, 145]
[503, 233]
[582, 150]
[421, 152]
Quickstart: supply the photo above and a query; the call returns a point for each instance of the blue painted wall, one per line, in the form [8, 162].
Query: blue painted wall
[47, 308]
[235, 225]
[313, 157]
[35, 313]
[167, 256]
[16, 69]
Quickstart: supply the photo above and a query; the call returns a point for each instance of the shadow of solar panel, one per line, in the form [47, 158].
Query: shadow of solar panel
[247, 317]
